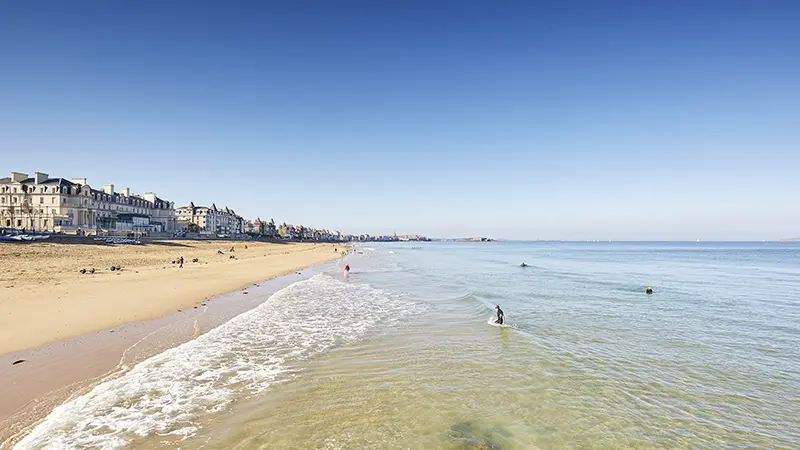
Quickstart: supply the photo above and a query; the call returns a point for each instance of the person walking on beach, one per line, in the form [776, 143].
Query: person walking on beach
[181, 261]
[346, 270]
[500, 315]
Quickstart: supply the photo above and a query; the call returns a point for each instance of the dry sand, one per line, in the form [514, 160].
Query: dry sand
[45, 298]
[53, 373]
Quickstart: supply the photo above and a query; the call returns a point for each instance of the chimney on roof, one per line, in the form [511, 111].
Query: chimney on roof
[18, 176]
[150, 197]
[108, 189]
[40, 177]
[81, 181]
[126, 192]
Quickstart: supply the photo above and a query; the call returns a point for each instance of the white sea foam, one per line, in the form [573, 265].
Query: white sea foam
[168, 392]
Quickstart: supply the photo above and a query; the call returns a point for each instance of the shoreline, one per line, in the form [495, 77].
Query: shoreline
[63, 332]
[65, 369]
[45, 297]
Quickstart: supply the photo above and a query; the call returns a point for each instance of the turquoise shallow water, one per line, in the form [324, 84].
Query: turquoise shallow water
[400, 355]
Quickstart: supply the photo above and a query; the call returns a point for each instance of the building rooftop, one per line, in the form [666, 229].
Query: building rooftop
[7, 180]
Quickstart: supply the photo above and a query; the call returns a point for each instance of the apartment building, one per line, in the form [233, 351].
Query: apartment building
[41, 203]
[210, 219]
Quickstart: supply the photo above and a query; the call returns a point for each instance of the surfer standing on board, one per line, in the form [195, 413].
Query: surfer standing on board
[500, 315]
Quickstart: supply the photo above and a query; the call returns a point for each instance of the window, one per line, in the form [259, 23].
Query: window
[19, 223]
[15, 190]
[41, 199]
[2, 199]
[8, 222]
[53, 200]
[45, 223]
[13, 199]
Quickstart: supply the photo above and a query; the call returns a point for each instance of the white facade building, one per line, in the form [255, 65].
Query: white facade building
[57, 204]
[210, 220]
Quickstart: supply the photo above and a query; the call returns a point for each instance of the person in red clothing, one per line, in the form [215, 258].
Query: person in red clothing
[347, 268]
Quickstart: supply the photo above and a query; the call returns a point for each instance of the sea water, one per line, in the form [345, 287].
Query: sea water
[401, 354]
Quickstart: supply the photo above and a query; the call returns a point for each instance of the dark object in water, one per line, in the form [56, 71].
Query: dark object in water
[474, 435]
[523, 265]
[19, 361]
[649, 290]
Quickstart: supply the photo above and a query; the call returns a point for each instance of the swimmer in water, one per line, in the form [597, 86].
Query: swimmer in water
[500, 315]
[649, 290]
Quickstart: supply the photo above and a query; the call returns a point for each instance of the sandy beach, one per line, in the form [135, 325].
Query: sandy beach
[44, 297]
[64, 368]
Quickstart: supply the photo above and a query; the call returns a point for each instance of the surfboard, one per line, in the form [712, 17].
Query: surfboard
[492, 320]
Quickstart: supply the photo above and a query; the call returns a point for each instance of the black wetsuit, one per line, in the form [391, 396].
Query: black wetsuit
[500, 316]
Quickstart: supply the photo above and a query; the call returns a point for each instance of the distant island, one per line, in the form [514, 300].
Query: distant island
[796, 239]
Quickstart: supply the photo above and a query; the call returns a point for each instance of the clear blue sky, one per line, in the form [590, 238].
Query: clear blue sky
[573, 120]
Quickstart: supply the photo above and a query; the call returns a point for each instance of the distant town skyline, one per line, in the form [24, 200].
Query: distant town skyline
[652, 121]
